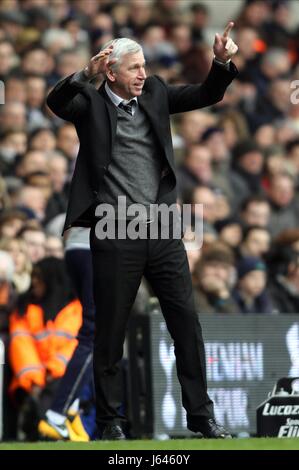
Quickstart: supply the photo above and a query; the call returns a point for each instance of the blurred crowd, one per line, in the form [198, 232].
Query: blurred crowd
[239, 159]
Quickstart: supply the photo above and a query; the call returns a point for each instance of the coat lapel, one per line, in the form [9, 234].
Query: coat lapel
[112, 113]
[150, 108]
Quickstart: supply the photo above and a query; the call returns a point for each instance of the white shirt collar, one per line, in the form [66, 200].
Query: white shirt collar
[115, 98]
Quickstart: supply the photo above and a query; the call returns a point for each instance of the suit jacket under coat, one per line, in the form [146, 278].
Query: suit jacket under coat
[95, 119]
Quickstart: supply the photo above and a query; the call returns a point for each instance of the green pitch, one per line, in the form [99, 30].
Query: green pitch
[174, 444]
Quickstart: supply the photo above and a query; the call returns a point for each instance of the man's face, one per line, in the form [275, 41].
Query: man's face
[36, 245]
[128, 79]
[11, 228]
[34, 161]
[257, 243]
[253, 283]
[58, 172]
[206, 197]
[37, 62]
[16, 141]
[36, 88]
[67, 141]
[199, 162]
[281, 190]
[13, 117]
[216, 270]
[252, 162]
[257, 213]
[6, 57]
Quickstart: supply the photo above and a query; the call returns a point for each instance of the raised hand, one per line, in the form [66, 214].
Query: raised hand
[224, 47]
[99, 63]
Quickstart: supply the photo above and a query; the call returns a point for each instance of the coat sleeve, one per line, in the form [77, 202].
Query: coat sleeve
[184, 98]
[25, 362]
[66, 101]
[65, 331]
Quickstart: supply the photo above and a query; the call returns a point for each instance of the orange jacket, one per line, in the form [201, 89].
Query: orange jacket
[38, 349]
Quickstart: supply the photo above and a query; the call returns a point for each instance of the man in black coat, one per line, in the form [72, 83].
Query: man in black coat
[126, 151]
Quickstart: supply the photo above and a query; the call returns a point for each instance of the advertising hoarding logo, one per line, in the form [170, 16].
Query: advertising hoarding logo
[292, 340]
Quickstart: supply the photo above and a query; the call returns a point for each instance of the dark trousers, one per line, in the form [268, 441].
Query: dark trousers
[79, 369]
[118, 266]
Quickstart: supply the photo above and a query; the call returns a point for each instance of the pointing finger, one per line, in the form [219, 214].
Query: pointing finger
[228, 29]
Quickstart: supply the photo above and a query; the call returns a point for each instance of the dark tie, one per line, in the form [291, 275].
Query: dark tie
[127, 107]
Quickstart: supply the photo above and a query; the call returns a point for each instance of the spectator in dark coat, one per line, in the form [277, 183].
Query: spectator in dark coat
[256, 242]
[284, 284]
[196, 169]
[247, 166]
[284, 205]
[250, 293]
[213, 278]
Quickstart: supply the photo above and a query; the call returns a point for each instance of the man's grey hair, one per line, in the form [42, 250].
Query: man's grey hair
[121, 47]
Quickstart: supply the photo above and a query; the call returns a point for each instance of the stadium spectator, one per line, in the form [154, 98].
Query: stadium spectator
[256, 242]
[284, 206]
[256, 210]
[7, 57]
[67, 140]
[203, 201]
[12, 145]
[42, 139]
[196, 168]
[13, 116]
[69, 61]
[31, 161]
[32, 200]
[35, 240]
[37, 60]
[54, 247]
[15, 88]
[4, 197]
[22, 266]
[229, 231]
[213, 139]
[250, 291]
[213, 277]
[289, 238]
[56, 423]
[284, 281]
[11, 222]
[247, 167]
[192, 125]
[43, 333]
[234, 127]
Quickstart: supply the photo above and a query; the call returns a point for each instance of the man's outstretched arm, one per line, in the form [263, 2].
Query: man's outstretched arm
[189, 97]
